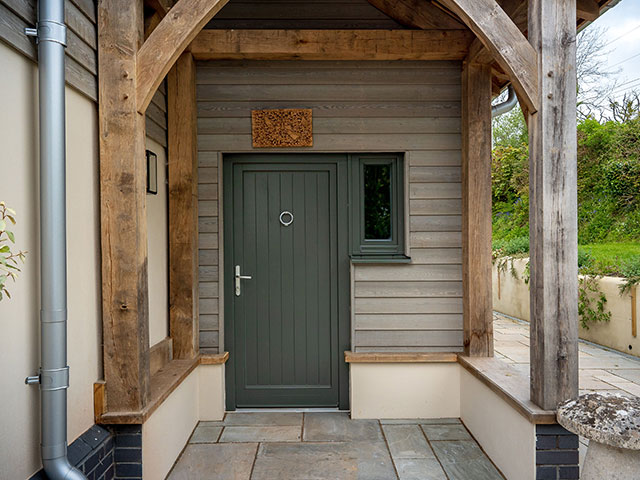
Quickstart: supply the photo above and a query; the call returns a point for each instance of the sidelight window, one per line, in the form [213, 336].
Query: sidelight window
[377, 201]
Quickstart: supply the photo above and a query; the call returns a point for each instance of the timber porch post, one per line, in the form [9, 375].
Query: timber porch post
[553, 205]
[476, 210]
[125, 296]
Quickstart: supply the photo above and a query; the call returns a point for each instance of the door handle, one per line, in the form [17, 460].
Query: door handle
[239, 278]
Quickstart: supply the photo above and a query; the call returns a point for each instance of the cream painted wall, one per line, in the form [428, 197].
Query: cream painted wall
[405, 390]
[19, 317]
[511, 296]
[505, 435]
[157, 255]
[211, 378]
[166, 433]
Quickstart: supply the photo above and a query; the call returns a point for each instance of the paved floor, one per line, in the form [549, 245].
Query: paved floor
[331, 446]
[600, 368]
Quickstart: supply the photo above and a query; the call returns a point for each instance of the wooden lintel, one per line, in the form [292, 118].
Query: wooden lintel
[167, 42]
[331, 44]
[500, 35]
[476, 210]
[183, 207]
[417, 14]
[553, 222]
[123, 213]
[400, 357]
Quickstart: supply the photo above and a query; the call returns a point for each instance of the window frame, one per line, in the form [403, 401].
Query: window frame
[363, 249]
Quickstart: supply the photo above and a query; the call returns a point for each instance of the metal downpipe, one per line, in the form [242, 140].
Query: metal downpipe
[507, 105]
[54, 372]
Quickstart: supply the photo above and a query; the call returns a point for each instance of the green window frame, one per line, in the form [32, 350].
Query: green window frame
[377, 207]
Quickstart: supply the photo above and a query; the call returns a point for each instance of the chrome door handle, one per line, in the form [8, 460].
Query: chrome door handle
[239, 278]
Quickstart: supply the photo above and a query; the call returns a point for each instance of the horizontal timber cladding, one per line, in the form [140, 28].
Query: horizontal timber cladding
[411, 107]
[302, 14]
[81, 54]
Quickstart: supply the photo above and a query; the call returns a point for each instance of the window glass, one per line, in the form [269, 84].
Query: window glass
[377, 202]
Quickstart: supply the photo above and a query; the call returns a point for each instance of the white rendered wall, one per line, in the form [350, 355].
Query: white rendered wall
[405, 390]
[506, 436]
[211, 392]
[157, 256]
[19, 316]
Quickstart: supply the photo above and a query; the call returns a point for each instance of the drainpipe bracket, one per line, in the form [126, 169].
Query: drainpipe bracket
[48, 31]
[32, 380]
[54, 379]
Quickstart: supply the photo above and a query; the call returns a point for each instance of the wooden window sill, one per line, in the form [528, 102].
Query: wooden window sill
[163, 383]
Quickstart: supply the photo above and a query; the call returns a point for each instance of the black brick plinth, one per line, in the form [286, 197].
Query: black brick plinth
[556, 453]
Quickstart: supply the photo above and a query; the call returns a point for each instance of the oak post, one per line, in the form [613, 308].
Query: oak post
[476, 210]
[125, 296]
[553, 205]
[183, 207]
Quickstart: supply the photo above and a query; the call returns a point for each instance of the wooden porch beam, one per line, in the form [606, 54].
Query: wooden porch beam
[167, 42]
[183, 207]
[331, 44]
[162, 7]
[588, 9]
[417, 14]
[476, 210]
[125, 296]
[505, 41]
[553, 223]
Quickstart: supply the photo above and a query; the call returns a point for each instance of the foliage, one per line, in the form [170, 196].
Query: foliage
[510, 129]
[591, 310]
[631, 272]
[8, 258]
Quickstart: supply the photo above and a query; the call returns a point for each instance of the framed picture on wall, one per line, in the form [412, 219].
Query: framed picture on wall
[152, 173]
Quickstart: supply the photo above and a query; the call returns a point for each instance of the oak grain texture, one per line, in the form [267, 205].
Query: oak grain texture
[345, 44]
[123, 215]
[553, 222]
[476, 210]
[183, 207]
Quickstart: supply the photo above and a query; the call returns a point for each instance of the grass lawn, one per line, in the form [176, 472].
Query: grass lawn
[608, 258]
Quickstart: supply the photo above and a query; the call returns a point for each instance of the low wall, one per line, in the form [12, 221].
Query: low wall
[511, 297]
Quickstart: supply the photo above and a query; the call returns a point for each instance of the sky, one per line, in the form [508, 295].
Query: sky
[622, 36]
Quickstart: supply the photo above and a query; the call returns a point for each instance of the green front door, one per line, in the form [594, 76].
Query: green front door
[283, 228]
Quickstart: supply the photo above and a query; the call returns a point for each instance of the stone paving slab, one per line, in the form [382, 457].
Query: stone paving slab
[446, 432]
[463, 460]
[263, 419]
[205, 434]
[600, 369]
[332, 447]
[219, 461]
[420, 421]
[338, 427]
[419, 469]
[261, 434]
[406, 441]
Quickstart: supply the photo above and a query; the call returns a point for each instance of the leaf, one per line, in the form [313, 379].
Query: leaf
[7, 292]
[11, 211]
[4, 249]
[12, 219]
[3, 225]
[11, 236]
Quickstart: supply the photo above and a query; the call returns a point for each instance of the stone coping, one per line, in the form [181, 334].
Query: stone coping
[608, 417]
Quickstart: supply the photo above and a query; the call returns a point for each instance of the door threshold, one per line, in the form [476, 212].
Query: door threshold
[290, 410]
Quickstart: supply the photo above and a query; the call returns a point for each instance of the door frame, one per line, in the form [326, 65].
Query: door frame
[343, 267]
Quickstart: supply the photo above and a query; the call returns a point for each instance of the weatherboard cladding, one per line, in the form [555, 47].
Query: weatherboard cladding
[412, 107]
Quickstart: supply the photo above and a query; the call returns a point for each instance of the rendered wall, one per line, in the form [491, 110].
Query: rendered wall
[158, 251]
[511, 296]
[19, 317]
[405, 390]
[505, 435]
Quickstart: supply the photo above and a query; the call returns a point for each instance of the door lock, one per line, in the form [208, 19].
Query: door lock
[239, 278]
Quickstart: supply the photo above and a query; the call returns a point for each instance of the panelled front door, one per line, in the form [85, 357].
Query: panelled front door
[282, 324]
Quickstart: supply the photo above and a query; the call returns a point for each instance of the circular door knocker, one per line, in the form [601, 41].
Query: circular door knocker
[284, 222]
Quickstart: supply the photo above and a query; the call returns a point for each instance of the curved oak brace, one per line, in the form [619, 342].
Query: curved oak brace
[417, 14]
[167, 42]
[506, 43]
